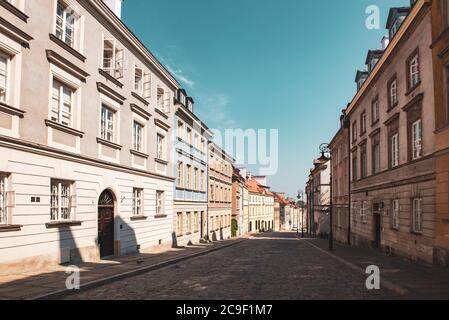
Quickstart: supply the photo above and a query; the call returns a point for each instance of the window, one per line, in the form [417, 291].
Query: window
[138, 81]
[137, 202]
[61, 200]
[4, 66]
[189, 136]
[354, 132]
[394, 150]
[179, 225]
[355, 168]
[413, 71]
[6, 200]
[202, 181]
[363, 161]
[137, 136]
[393, 93]
[107, 123]
[395, 213]
[160, 147]
[363, 211]
[196, 222]
[159, 203]
[195, 179]
[417, 215]
[180, 130]
[375, 111]
[195, 140]
[180, 177]
[363, 122]
[189, 177]
[113, 58]
[62, 102]
[212, 192]
[189, 222]
[417, 139]
[376, 155]
[163, 100]
[203, 146]
[65, 24]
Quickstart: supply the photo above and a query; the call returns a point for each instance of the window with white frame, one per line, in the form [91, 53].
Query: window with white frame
[202, 180]
[195, 179]
[417, 139]
[113, 58]
[189, 222]
[107, 123]
[196, 222]
[160, 202]
[393, 93]
[65, 23]
[61, 200]
[180, 130]
[138, 81]
[375, 110]
[364, 211]
[137, 205]
[203, 146]
[160, 143]
[163, 100]
[189, 177]
[189, 136]
[6, 200]
[137, 136]
[4, 69]
[179, 181]
[414, 71]
[212, 192]
[62, 103]
[395, 214]
[395, 150]
[417, 215]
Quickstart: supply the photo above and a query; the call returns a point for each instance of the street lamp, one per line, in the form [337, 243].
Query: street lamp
[301, 199]
[325, 149]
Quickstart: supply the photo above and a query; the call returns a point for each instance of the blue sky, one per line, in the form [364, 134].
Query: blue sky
[264, 64]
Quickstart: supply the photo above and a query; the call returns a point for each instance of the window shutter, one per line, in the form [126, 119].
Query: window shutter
[119, 63]
[147, 85]
[167, 102]
[10, 199]
[73, 202]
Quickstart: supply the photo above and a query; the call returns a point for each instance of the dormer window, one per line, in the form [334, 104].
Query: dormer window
[361, 78]
[395, 19]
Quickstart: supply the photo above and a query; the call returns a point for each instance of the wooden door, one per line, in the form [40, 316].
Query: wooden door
[106, 224]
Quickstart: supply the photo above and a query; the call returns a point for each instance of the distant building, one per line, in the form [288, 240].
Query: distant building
[261, 205]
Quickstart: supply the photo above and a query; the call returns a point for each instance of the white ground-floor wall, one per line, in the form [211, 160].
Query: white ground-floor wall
[260, 224]
[189, 222]
[39, 241]
[219, 223]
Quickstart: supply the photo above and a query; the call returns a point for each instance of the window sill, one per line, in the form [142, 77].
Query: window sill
[375, 123]
[11, 110]
[14, 10]
[138, 218]
[110, 78]
[164, 162]
[188, 233]
[416, 233]
[392, 107]
[109, 144]
[55, 125]
[68, 48]
[160, 216]
[62, 224]
[10, 228]
[140, 98]
[139, 154]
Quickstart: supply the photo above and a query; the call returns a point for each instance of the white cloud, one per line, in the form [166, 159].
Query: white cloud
[179, 74]
[215, 110]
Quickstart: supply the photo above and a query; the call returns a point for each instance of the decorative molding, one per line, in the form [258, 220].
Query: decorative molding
[164, 162]
[138, 218]
[11, 110]
[374, 133]
[66, 65]
[141, 99]
[139, 154]
[102, 88]
[66, 47]
[15, 32]
[418, 98]
[162, 124]
[10, 228]
[110, 78]
[14, 10]
[61, 127]
[109, 144]
[140, 111]
[160, 216]
[161, 113]
[391, 119]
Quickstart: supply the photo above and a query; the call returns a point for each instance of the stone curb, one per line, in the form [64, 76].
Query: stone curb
[100, 282]
[385, 283]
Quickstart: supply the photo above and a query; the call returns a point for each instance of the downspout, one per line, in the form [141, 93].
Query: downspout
[347, 127]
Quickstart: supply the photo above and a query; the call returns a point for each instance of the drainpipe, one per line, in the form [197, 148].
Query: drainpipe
[347, 125]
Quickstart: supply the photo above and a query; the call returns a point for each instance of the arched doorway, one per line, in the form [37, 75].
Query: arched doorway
[106, 224]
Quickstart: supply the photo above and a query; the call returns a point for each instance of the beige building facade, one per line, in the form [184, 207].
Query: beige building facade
[85, 123]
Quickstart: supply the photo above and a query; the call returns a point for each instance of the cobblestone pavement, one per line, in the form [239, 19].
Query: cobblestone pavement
[269, 267]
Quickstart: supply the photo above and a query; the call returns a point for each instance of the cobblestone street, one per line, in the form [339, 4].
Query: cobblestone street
[270, 267]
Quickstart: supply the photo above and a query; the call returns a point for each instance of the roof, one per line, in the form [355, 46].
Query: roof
[280, 198]
[395, 13]
[255, 187]
[373, 54]
[359, 74]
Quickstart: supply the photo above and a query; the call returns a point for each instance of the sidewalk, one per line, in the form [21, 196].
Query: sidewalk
[416, 280]
[50, 283]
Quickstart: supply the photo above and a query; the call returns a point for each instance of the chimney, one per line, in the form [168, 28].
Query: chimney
[115, 6]
[385, 42]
